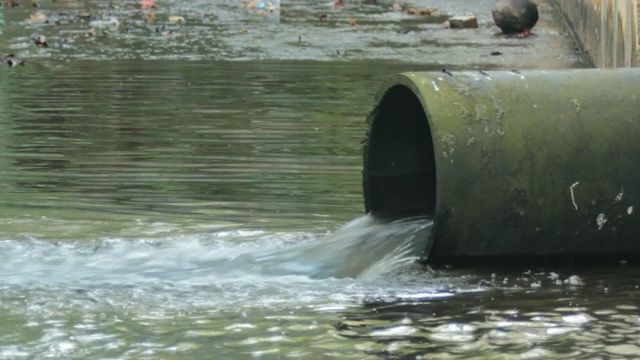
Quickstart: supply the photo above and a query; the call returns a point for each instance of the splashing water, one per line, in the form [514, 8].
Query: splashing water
[365, 248]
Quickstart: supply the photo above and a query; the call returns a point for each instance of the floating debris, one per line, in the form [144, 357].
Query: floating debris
[149, 17]
[352, 21]
[463, 22]
[12, 3]
[39, 40]
[11, 60]
[147, 4]
[84, 15]
[264, 5]
[37, 17]
[112, 23]
[424, 12]
[164, 31]
[176, 19]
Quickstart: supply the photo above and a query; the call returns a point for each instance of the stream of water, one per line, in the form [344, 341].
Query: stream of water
[365, 248]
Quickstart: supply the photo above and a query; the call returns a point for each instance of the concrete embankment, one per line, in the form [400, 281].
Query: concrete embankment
[606, 30]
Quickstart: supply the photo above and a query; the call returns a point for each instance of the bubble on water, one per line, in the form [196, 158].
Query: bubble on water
[574, 280]
[579, 318]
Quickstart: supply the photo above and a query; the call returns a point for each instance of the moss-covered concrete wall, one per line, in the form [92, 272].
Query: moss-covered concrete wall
[606, 30]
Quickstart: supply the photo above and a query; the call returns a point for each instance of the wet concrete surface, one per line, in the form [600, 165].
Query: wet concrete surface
[302, 30]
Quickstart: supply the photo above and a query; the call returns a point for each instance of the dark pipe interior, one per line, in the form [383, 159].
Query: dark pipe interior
[399, 162]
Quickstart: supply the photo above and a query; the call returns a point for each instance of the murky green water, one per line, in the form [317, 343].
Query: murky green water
[176, 145]
[160, 202]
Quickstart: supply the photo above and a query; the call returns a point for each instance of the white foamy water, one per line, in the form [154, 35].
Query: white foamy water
[364, 248]
[242, 268]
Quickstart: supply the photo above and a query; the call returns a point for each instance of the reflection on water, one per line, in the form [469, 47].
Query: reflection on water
[208, 144]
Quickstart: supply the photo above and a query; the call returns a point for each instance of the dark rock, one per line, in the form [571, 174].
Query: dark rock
[515, 16]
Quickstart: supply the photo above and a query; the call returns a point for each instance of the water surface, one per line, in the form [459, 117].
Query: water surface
[198, 195]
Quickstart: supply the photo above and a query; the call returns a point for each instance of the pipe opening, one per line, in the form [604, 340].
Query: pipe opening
[399, 162]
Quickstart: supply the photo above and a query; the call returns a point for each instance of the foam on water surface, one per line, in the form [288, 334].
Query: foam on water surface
[364, 248]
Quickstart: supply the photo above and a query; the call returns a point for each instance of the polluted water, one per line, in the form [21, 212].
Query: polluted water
[365, 248]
